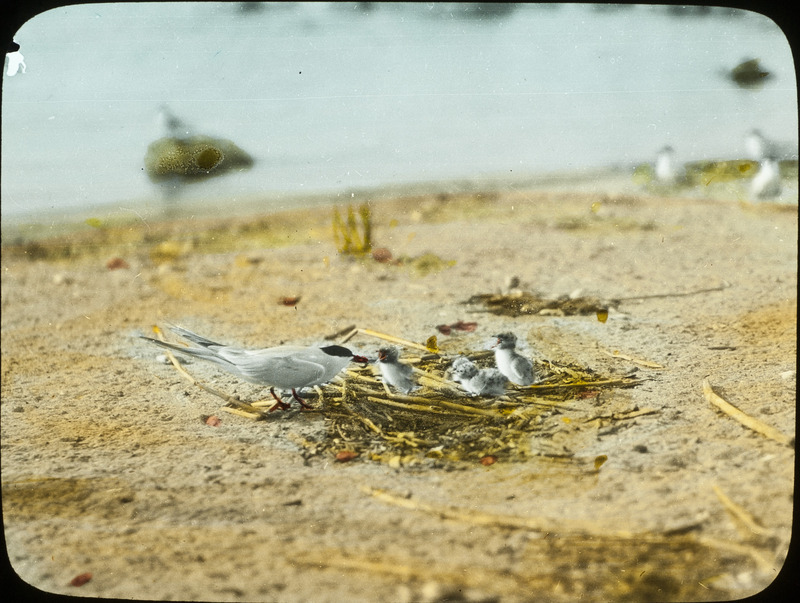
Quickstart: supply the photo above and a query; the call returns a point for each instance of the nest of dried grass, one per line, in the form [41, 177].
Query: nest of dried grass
[441, 422]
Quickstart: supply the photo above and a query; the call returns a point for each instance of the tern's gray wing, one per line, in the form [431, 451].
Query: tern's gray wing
[522, 369]
[399, 375]
[492, 382]
[284, 369]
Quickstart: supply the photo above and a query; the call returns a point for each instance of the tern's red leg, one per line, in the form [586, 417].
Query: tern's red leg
[279, 404]
[299, 399]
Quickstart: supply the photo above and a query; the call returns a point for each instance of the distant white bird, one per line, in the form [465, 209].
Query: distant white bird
[516, 368]
[479, 382]
[284, 367]
[395, 373]
[756, 144]
[666, 170]
[759, 147]
[767, 181]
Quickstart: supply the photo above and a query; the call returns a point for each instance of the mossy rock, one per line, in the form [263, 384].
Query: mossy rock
[194, 158]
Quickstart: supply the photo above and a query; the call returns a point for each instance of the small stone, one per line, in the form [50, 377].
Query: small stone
[117, 264]
[382, 255]
[61, 279]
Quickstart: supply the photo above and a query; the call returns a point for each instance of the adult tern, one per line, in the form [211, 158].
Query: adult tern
[284, 367]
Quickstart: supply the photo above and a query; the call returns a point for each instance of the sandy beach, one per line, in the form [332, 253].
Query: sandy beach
[110, 466]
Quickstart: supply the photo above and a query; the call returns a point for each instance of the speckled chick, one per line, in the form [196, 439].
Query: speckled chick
[478, 382]
[395, 373]
[516, 368]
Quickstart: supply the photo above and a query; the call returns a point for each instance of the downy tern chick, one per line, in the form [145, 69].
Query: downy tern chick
[517, 368]
[479, 382]
[395, 373]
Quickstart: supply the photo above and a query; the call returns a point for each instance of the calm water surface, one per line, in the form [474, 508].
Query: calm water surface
[336, 98]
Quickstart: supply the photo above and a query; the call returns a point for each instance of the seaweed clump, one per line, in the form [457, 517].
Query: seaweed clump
[352, 239]
[521, 303]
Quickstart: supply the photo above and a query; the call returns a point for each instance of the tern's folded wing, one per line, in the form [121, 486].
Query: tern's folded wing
[522, 367]
[280, 371]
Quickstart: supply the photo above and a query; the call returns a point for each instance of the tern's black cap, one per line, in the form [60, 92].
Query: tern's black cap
[337, 350]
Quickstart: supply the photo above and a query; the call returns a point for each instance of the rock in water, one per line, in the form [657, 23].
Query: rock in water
[192, 159]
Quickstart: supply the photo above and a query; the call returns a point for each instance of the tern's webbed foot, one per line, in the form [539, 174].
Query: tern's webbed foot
[279, 404]
[299, 399]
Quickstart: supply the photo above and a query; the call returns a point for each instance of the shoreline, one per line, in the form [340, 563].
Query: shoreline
[610, 180]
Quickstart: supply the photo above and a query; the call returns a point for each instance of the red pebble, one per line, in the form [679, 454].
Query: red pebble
[81, 579]
[117, 264]
[345, 455]
[465, 326]
[382, 255]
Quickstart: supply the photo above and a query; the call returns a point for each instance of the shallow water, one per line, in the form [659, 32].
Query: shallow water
[336, 98]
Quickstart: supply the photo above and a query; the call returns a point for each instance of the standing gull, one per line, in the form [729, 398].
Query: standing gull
[759, 147]
[172, 125]
[766, 183]
[284, 367]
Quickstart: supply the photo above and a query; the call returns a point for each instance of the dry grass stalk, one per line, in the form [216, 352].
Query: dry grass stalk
[634, 360]
[741, 513]
[242, 413]
[393, 339]
[407, 406]
[620, 416]
[623, 382]
[409, 570]
[721, 287]
[743, 418]
[562, 527]
[764, 564]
